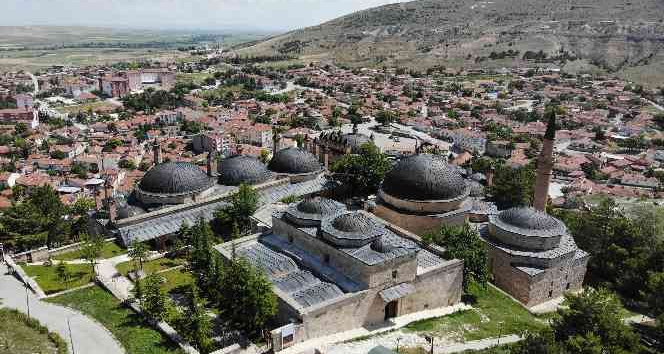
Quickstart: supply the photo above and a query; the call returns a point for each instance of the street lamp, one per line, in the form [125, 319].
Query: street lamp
[500, 331]
[71, 338]
[27, 298]
[398, 339]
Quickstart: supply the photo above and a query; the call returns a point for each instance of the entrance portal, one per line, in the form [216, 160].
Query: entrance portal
[391, 309]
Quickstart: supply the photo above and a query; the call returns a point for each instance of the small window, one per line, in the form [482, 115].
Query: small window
[550, 293]
[394, 274]
[567, 286]
[290, 239]
[326, 259]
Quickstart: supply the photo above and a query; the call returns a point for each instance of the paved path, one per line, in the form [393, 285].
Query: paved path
[89, 336]
[119, 285]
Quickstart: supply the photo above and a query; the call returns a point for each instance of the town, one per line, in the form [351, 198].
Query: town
[236, 204]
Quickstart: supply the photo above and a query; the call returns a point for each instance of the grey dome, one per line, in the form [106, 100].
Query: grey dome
[527, 218]
[175, 178]
[294, 161]
[424, 177]
[243, 169]
[312, 210]
[351, 230]
[380, 245]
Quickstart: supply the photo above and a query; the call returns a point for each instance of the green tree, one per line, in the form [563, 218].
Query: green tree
[513, 186]
[91, 249]
[154, 301]
[195, 324]
[385, 117]
[82, 206]
[592, 323]
[246, 298]
[63, 272]
[202, 257]
[463, 242]
[242, 205]
[363, 172]
[138, 252]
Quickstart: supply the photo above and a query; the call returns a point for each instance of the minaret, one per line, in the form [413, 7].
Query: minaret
[545, 165]
[156, 150]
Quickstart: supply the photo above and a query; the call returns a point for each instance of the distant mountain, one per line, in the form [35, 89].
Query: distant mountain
[611, 34]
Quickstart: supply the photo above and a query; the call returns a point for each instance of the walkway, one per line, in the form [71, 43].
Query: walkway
[119, 285]
[328, 342]
[88, 335]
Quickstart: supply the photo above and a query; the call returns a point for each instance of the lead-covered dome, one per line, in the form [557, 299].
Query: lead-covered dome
[243, 169]
[175, 178]
[294, 161]
[527, 218]
[312, 210]
[351, 230]
[424, 177]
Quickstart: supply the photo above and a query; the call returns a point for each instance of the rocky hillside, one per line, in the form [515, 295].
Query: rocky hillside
[612, 34]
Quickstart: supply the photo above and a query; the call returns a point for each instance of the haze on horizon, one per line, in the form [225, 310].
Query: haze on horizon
[268, 15]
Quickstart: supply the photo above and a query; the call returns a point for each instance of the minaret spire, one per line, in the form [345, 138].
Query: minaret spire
[545, 163]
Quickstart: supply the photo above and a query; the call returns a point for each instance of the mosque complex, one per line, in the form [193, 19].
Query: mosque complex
[333, 268]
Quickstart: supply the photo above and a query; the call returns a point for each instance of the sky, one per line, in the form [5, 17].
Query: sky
[270, 15]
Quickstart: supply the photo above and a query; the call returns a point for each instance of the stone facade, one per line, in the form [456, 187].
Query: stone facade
[392, 274]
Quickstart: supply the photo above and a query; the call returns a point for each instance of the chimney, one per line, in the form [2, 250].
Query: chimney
[156, 150]
[489, 176]
[545, 165]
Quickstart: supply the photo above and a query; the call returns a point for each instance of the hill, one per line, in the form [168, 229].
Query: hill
[606, 34]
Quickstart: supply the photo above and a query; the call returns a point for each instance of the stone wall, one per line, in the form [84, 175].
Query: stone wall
[531, 290]
[420, 224]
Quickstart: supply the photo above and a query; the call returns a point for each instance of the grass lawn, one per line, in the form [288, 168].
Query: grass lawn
[484, 321]
[136, 336]
[176, 279]
[110, 250]
[21, 335]
[151, 266]
[48, 279]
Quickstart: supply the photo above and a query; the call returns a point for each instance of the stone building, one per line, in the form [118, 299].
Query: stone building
[332, 145]
[532, 256]
[334, 270]
[173, 193]
[423, 192]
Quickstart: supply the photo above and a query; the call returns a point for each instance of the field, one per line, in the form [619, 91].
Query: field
[50, 282]
[493, 315]
[99, 106]
[110, 249]
[176, 280]
[38, 47]
[20, 335]
[151, 266]
[135, 335]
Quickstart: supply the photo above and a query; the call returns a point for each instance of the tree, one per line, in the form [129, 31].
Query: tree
[195, 324]
[127, 164]
[246, 298]
[139, 252]
[363, 172]
[154, 301]
[385, 117]
[91, 249]
[82, 206]
[463, 242]
[513, 186]
[242, 205]
[593, 323]
[63, 272]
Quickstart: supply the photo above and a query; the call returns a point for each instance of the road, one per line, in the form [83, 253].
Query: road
[88, 335]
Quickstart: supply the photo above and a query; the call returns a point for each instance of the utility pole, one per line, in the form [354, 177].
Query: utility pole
[27, 298]
[71, 338]
[398, 339]
[430, 340]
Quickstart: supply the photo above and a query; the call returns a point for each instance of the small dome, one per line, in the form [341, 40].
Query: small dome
[318, 205]
[381, 246]
[311, 211]
[175, 178]
[243, 169]
[351, 230]
[424, 177]
[529, 219]
[294, 161]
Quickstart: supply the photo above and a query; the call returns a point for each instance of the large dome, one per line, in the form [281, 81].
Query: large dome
[294, 161]
[529, 219]
[424, 177]
[175, 178]
[243, 169]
